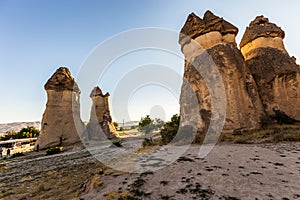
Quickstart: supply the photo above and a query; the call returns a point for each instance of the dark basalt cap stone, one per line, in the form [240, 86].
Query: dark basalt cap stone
[195, 26]
[261, 27]
[62, 80]
[98, 92]
[212, 22]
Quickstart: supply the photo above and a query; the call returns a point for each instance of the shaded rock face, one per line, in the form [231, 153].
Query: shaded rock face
[216, 38]
[61, 123]
[276, 73]
[100, 125]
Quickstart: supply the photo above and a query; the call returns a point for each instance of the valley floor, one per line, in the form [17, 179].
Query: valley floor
[230, 171]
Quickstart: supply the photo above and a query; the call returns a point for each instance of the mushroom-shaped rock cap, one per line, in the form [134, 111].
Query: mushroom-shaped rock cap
[215, 23]
[261, 27]
[192, 28]
[98, 92]
[62, 80]
[195, 26]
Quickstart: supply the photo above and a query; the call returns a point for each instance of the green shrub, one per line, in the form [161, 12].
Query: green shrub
[146, 124]
[28, 132]
[54, 150]
[170, 129]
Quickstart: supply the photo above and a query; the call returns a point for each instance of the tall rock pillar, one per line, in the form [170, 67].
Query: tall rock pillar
[100, 124]
[61, 123]
[276, 73]
[216, 37]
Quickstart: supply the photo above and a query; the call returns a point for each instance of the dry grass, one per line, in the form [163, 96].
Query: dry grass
[146, 150]
[113, 195]
[270, 134]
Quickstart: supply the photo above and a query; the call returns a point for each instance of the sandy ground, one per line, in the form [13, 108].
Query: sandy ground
[228, 172]
[269, 171]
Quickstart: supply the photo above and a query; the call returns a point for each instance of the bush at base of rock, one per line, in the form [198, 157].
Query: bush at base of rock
[170, 129]
[54, 150]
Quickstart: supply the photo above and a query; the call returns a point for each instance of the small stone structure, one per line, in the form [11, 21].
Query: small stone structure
[276, 73]
[61, 123]
[100, 124]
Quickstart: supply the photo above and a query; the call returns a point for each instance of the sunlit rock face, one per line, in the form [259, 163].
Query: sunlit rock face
[276, 73]
[61, 123]
[213, 39]
[261, 34]
[100, 125]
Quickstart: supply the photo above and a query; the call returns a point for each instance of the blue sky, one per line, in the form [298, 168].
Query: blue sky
[36, 37]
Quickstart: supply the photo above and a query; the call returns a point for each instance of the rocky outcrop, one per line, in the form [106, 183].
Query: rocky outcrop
[213, 39]
[100, 125]
[276, 73]
[61, 123]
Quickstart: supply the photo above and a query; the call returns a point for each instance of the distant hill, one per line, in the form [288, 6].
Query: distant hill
[17, 126]
[128, 124]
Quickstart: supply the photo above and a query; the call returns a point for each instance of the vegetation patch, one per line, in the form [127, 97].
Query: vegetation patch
[270, 134]
[28, 132]
[54, 150]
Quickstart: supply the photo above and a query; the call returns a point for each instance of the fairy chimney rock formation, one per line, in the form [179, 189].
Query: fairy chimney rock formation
[215, 37]
[61, 123]
[100, 124]
[276, 73]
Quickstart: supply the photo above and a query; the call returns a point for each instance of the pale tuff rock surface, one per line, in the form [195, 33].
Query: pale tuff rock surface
[244, 108]
[100, 125]
[261, 34]
[61, 123]
[276, 73]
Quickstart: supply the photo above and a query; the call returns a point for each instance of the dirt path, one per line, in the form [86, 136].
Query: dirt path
[228, 172]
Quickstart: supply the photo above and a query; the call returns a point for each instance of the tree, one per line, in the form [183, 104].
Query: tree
[146, 124]
[9, 135]
[170, 129]
[159, 123]
[28, 132]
